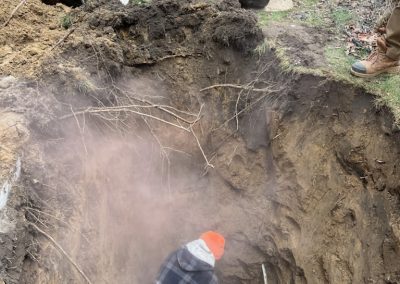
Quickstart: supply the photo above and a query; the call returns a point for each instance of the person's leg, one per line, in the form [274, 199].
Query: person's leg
[393, 35]
[385, 58]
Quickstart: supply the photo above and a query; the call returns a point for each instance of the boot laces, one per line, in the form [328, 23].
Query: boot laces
[375, 55]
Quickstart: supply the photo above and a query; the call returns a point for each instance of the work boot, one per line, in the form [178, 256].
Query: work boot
[377, 63]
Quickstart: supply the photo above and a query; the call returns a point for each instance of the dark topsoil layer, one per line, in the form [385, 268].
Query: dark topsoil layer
[306, 185]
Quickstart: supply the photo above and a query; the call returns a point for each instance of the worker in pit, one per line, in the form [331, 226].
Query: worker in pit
[193, 263]
[386, 57]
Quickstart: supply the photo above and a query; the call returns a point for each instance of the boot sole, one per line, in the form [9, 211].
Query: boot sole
[391, 70]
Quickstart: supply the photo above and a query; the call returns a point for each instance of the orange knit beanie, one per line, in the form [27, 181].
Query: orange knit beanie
[215, 243]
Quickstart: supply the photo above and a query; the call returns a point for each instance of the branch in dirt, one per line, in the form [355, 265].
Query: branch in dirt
[50, 238]
[119, 109]
[136, 109]
[164, 108]
[249, 88]
[243, 110]
[14, 11]
[115, 111]
[57, 219]
[208, 165]
[63, 38]
[241, 87]
[157, 60]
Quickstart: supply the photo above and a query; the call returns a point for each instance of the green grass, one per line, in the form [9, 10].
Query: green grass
[264, 17]
[308, 3]
[342, 16]
[312, 17]
[338, 60]
[67, 21]
[261, 49]
[315, 19]
[388, 85]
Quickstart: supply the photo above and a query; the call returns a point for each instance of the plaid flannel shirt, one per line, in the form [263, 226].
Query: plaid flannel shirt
[181, 267]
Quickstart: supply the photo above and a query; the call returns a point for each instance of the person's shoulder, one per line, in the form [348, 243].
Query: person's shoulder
[172, 257]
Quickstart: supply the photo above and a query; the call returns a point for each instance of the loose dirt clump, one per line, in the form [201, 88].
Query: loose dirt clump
[166, 30]
[153, 123]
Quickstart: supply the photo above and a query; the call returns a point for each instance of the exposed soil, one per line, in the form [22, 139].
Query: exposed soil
[305, 46]
[304, 181]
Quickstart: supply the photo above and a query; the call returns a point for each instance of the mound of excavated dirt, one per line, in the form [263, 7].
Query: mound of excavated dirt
[29, 36]
[120, 127]
[174, 29]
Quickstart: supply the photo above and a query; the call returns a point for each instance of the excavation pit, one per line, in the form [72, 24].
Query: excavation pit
[137, 148]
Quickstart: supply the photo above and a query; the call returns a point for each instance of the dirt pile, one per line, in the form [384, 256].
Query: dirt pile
[133, 105]
[29, 36]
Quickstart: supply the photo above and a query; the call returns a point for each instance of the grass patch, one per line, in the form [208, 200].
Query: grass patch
[265, 17]
[342, 16]
[67, 21]
[315, 19]
[389, 86]
[261, 49]
[309, 3]
[338, 60]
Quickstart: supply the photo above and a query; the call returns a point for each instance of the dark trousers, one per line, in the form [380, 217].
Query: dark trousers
[393, 35]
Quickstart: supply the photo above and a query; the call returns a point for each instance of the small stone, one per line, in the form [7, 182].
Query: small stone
[7, 82]
[108, 30]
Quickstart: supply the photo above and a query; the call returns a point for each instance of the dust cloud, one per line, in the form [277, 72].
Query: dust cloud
[140, 192]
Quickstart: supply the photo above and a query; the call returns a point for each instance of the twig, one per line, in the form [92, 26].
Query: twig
[240, 112]
[179, 55]
[14, 11]
[154, 61]
[127, 108]
[249, 88]
[236, 109]
[178, 151]
[160, 107]
[63, 38]
[37, 219]
[62, 250]
[108, 110]
[264, 273]
[233, 86]
[59, 220]
[164, 153]
[81, 130]
[201, 149]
